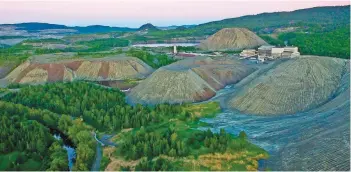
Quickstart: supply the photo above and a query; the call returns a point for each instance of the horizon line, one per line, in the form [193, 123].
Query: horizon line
[196, 24]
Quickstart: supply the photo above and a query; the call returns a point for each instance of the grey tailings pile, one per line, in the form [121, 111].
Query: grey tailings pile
[190, 80]
[317, 139]
[232, 39]
[293, 86]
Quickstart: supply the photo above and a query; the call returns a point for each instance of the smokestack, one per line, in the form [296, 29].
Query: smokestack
[175, 49]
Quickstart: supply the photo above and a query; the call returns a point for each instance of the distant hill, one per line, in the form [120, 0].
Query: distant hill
[148, 27]
[175, 27]
[34, 26]
[38, 26]
[321, 19]
[328, 17]
[100, 28]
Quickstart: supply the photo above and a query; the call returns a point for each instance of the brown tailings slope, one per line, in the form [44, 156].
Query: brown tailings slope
[232, 39]
[190, 80]
[294, 86]
[101, 69]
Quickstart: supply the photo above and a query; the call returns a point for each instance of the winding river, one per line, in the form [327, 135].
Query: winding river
[67, 145]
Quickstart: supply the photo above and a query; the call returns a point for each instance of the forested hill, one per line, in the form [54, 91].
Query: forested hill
[317, 19]
[330, 17]
[36, 26]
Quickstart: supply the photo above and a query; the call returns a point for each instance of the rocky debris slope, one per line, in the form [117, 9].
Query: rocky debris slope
[190, 80]
[232, 39]
[294, 86]
[99, 69]
[330, 140]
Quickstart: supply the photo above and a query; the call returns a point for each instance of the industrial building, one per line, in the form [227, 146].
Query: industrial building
[268, 52]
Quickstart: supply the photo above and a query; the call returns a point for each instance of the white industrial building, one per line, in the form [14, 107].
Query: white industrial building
[268, 52]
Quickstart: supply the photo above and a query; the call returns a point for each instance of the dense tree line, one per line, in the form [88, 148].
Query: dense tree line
[103, 44]
[19, 134]
[148, 144]
[154, 60]
[335, 43]
[153, 143]
[328, 18]
[105, 109]
[35, 138]
[160, 164]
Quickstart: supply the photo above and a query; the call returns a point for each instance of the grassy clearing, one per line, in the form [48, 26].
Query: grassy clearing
[154, 60]
[207, 110]
[3, 90]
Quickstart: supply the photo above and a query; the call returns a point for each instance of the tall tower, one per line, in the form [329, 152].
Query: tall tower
[175, 49]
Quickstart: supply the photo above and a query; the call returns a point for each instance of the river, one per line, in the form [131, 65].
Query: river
[67, 145]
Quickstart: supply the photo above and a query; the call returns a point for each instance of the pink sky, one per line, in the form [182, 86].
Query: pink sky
[133, 13]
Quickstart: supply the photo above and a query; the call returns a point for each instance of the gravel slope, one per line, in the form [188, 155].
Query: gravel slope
[190, 80]
[232, 39]
[294, 86]
[314, 140]
[98, 69]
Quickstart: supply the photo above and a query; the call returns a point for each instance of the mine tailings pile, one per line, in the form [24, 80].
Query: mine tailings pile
[296, 109]
[294, 86]
[190, 80]
[98, 69]
[232, 39]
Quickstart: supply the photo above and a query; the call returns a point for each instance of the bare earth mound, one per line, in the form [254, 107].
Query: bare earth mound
[293, 86]
[190, 80]
[232, 39]
[100, 69]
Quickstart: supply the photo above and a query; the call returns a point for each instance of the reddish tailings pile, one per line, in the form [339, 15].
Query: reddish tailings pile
[118, 68]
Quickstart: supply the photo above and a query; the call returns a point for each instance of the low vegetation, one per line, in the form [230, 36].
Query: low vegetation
[3, 90]
[15, 54]
[49, 40]
[103, 44]
[153, 60]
